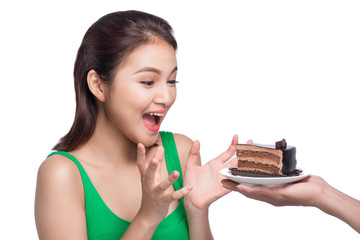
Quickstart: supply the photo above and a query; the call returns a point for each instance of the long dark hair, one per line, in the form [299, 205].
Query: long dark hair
[104, 48]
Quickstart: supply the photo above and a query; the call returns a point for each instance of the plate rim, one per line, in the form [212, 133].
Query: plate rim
[264, 181]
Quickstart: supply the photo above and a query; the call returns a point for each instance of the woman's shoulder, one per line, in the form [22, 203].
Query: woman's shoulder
[58, 171]
[183, 139]
[59, 198]
[183, 143]
[58, 166]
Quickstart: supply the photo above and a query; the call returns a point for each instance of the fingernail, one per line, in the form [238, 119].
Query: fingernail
[174, 174]
[154, 162]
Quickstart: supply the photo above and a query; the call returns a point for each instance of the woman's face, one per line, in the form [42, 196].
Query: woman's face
[143, 91]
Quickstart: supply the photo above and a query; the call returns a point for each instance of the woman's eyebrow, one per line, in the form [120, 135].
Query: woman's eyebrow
[148, 69]
[154, 70]
[174, 70]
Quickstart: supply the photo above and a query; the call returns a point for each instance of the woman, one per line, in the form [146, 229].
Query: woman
[114, 175]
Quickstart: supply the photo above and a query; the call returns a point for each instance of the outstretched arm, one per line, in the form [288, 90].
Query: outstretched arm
[313, 191]
[207, 188]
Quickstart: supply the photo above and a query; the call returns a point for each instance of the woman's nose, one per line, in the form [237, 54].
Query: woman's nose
[165, 95]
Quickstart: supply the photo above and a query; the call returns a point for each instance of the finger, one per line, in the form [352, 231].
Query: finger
[256, 192]
[165, 184]
[225, 156]
[151, 170]
[228, 184]
[250, 141]
[193, 158]
[235, 140]
[180, 193]
[141, 158]
[234, 186]
[159, 155]
[262, 193]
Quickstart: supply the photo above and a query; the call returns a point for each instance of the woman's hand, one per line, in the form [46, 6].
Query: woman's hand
[156, 194]
[206, 180]
[305, 193]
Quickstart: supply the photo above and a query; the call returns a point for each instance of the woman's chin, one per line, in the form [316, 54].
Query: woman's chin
[150, 141]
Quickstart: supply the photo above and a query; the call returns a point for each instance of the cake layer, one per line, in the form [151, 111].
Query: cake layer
[256, 153]
[255, 167]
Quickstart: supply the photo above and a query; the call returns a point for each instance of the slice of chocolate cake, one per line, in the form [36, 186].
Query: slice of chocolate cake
[278, 159]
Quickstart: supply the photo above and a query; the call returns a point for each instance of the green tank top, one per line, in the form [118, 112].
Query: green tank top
[103, 224]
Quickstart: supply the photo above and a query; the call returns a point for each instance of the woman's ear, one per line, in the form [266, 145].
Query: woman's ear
[96, 86]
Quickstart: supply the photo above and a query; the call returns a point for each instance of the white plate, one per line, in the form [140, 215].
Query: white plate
[266, 181]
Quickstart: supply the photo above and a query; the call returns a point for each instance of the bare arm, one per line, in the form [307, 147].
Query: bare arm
[198, 216]
[59, 201]
[198, 222]
[313, 191]
[207, 188]
[340, 205]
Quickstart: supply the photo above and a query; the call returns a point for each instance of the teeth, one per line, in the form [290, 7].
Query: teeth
[157, 114]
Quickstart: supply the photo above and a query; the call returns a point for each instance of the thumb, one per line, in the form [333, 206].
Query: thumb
[141, 158]
[193, 155]
[225, 156]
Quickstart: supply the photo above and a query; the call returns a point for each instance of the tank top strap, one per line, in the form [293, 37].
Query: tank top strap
[172, 157]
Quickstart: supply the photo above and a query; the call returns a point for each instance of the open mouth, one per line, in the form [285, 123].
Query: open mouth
[152, 120]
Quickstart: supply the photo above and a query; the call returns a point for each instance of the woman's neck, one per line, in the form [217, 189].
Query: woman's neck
[108, 146]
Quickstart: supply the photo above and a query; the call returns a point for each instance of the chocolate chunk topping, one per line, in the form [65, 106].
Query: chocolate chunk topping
[281, 144]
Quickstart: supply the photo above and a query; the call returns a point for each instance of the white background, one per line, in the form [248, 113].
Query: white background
[265, 70]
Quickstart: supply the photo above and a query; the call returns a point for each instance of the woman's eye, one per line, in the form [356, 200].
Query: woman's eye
[147, 83]
[172, 81]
